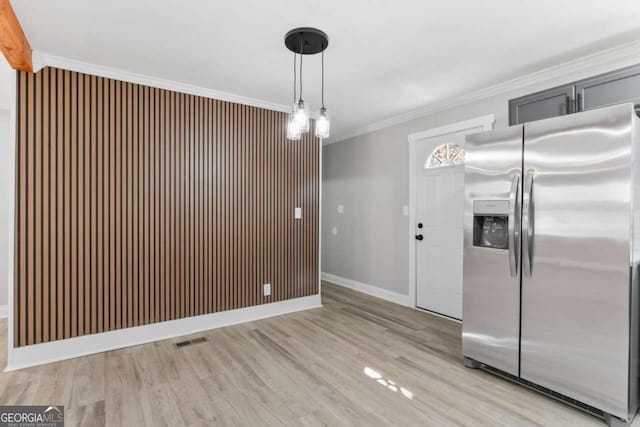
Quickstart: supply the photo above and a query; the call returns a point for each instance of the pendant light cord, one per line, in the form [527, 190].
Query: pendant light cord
[301, 55]
[294, 77]
[322, 92]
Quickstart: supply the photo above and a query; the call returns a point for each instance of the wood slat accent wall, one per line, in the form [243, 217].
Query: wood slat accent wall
[137, 205]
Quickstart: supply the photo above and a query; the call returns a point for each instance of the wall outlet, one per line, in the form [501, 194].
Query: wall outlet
[340, 208]
[266, 289]
[405, 210]
[297, 213]
[334, 231]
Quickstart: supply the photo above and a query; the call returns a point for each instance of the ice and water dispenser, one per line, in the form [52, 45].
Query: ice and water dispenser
[491, 224]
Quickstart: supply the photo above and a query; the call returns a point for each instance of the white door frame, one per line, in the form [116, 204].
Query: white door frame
[486, 123]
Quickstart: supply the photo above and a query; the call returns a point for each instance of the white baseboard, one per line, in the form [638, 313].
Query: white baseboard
[4, 311]
[367, 289]
[40, 354]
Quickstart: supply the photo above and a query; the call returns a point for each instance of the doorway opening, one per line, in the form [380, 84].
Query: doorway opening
[436, 209]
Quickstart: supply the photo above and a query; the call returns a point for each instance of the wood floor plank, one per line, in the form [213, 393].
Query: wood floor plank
[86, 416]
[358, 360]
[88, 381]
[160, 406]
[122, 397]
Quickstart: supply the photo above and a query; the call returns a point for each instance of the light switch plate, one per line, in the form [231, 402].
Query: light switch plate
[298, 213]
[405, 210]
[266, 289]
[340, 208]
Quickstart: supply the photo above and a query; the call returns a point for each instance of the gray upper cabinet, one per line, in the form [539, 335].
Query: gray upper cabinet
[609, 89]
[612, 88]
[541, 105]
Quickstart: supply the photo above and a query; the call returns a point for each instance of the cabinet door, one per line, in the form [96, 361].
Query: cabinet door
[609, 89]
[542, 105]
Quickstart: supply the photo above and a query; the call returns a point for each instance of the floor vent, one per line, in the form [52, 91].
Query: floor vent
[189, 342]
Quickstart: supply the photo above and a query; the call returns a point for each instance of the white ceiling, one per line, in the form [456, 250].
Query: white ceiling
[384, 57]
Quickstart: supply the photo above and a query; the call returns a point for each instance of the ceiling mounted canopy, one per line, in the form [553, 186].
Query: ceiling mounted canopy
[306, 41]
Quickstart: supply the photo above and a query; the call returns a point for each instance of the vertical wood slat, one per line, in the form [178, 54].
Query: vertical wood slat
[37, 203]
[85, 260]
[109, 205]
[30, 212]
[46, 208]
[93, 266]
[22, 240]
[59, 203]
[99, 179]
[136, 251]
[73, 198]
[128, 204]
[80, 214]
[137, 205]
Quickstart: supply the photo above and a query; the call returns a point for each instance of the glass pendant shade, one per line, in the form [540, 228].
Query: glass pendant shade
[293, 132]
[301, 116]
[323, 124]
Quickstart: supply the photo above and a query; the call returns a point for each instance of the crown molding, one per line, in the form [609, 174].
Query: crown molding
[616, 57]
[43, 59]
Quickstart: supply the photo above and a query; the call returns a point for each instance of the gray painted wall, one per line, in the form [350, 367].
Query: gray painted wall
[369, 175]
[4, 205]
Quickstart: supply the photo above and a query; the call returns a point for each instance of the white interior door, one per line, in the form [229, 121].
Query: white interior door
[439, 185]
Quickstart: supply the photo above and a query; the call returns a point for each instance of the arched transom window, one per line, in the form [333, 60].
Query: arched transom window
[445, 155]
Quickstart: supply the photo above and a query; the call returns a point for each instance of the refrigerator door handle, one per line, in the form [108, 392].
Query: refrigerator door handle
[527, 224]
[514, 233]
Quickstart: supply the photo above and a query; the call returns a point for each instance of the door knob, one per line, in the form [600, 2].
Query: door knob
[419, 237]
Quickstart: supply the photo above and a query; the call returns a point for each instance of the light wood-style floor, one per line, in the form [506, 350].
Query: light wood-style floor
[356, 361]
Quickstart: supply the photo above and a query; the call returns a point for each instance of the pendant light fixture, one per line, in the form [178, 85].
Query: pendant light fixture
[323, 124]
[306, 41]
[300, 109]
[293, 131]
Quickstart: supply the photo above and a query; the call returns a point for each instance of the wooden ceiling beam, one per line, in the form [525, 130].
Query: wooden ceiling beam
[13, 43]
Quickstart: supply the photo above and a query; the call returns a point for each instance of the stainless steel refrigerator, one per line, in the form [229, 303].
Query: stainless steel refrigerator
[551, 250]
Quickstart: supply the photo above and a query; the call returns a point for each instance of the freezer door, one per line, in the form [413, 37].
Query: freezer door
[491, 277]
[576, 256]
